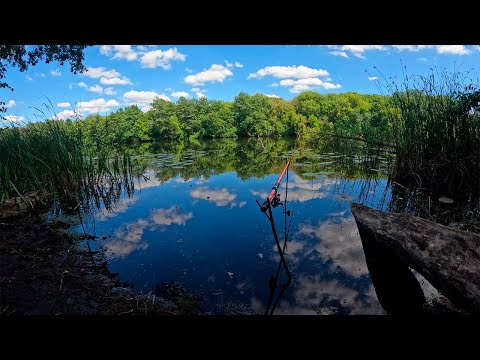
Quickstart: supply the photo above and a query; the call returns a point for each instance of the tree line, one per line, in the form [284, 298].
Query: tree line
[350, 114]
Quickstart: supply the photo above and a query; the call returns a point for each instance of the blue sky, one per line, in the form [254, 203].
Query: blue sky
[121, 75]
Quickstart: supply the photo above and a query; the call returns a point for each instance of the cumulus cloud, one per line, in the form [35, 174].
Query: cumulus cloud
[66, 114]
[28, 78]
[412, 48]
[272, 95]
[156, 58]
[96, 89]
[64, 105]
[355, 50]
[107, 77]
[372, 78]
[339, 53]
[220, 197]
[285, 72]
[299, 85]
[200, 95]
[96, 105]
[110, 91]
[13, 118]
[10, 104]
[56, 72]
[82, 84]
[235, 64]
[142, 98]
[179, 94]
[115, 81]
[99, 72]
[453, 49]
[146, 55]
[119, 52]
[216, 73]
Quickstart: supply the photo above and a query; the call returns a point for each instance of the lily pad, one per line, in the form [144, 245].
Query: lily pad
[445, 200]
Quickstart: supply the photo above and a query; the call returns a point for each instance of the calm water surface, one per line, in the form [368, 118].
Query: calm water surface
[193, 218]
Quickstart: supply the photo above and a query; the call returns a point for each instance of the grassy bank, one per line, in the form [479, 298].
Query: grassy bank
[49, 157]
[436, 130]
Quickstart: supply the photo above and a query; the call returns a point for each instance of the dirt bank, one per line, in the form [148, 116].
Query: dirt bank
[44, 270]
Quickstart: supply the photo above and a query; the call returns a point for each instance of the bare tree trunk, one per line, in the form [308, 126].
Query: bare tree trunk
[449, 259]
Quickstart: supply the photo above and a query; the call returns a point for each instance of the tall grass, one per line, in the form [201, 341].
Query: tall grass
[436, 130]
[49, 156]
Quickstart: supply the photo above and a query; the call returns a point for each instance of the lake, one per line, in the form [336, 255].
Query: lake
[193, 218]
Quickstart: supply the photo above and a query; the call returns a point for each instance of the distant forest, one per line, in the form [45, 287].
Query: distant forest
[247, 116]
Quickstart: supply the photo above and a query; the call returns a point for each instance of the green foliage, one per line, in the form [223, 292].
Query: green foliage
[436, 129]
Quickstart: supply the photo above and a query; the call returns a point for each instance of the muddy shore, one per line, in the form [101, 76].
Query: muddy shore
[45, 271]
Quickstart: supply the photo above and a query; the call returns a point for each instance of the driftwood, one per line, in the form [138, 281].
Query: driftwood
[449, 259]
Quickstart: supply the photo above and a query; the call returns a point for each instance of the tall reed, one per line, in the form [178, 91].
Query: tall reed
[52, 157]
[436, 130]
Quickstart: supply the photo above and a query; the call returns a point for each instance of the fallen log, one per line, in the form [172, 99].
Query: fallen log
[449, 259]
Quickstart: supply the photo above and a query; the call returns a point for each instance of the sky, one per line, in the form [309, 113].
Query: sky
[122, 75]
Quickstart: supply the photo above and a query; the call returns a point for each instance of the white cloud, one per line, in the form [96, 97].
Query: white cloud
[356, 50]
[299, 85]
[155, 58]
[453, 49]
[42, 75]
[97, 105]
[372, 78]
[220, 197]
[188, 70]
[145, 108]
[179, 94]
[422, 59]
[107, 77]
[110, 91]
[65, 114]
[196, 89]
[119, 52]
[82, 84]
[235, 64]
[272, 95]
[142, 98]
[56, 72]
[13, 118]
[28, 78]
[216, 73]
[476, 47]
[99, 72]
[200, 95]
[412, 48]
[339, 53]
[115, 81]
[285, 72]
[10, 103]
[96, 89]
[64, 105]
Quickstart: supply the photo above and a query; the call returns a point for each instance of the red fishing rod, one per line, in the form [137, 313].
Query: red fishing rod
[273, 193]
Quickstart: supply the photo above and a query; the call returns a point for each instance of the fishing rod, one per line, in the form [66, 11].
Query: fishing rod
[272, 201]
[273, 197]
